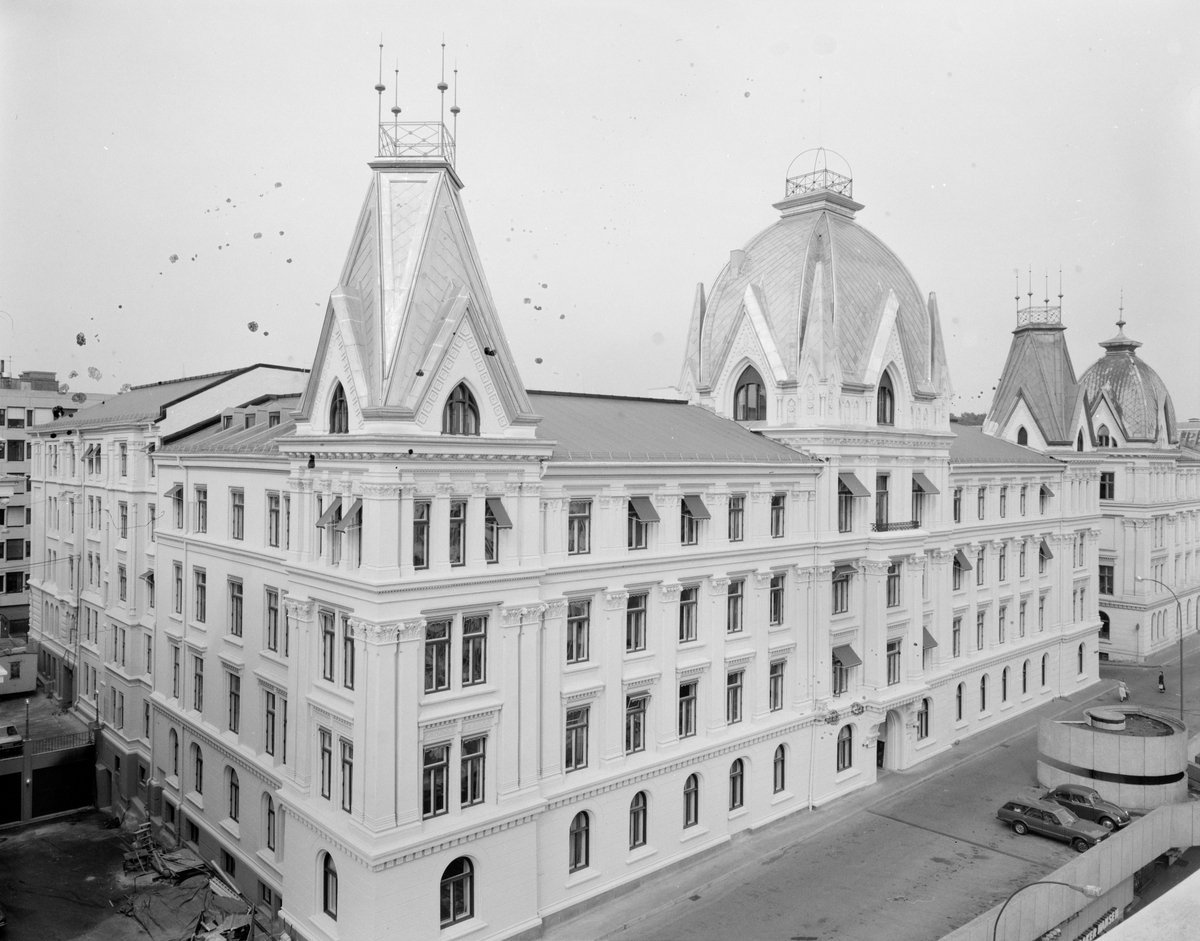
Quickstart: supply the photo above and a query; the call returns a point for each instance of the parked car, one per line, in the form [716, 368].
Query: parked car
[1051, 819]
[1087, 803]
[11, 741]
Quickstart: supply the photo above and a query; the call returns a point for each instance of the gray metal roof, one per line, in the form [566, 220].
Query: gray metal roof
[1039, 371]
[259, 438]
[619, 429]
[1137, 394]
[972, 446]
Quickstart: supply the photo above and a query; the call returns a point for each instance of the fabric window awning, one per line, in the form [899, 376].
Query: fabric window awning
[643, 509]
[348, 518]
[495, 506]
[846, 656]
[696, 506]
[923, 483]
[1046, 491]
[330, 512]
[1045, 550]
[853, 484]
[927, 641]
[148, 575]
[843, 571]
[174, 492]
[963, 562]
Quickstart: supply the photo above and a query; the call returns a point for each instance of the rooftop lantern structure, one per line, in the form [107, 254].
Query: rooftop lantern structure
[417, 141]
[1045, 313]
[821, 177]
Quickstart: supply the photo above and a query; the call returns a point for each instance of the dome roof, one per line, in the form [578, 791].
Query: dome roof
[817, 230]
[1134, 391]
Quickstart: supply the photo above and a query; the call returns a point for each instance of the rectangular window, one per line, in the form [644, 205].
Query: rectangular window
[635, 623]
[979, 629]
[737, 518]
[687, 709]
[687, 614]
[1003, 502]
[474, 650]
[841, 676]
[689, 526]
[175, 657]
[328, 646]
[347, 756]
[893, 662]
[841, 594]
[845, 508]
[236, 607]
[1108, 485]
[776, 605]
[577, 739]
[579, 619]
[956, 638]
[1043, 500]
[198, 683]
[269, 723]
[472, 770]
[237, 514]
[734, 605]
[733, 696]
[122, 520]
[881, 502]
[1021, 561]
[347, 654]
[287, 521]
[273, 520]
[437, 656]
[778, 514]
[123, 458]
[636, 529]
[893, 584]
[326, 738]
[1002, 563]
[1042, 613]
[579, 527]
[491, 535]
[958, 504]
[201, 509]
[1001, 618]
[1106, 579]
[777, 685]
[420, 558]
[435, 774]
[980, 501]
[177, 592]
[980, 559]
[235, 702]
[122, 583]
[458, 532]
[1024, 489]
[200, 586]
[272, 626]
[635, 724]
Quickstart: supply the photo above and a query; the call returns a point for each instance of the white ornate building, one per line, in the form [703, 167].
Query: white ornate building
[440, 657]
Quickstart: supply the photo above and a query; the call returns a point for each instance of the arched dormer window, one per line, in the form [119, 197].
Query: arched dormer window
[885, 402]
[750, 397]
[339, 412]
[1022, 436]
[1079, 441]
[461, 414]
[1103, 438]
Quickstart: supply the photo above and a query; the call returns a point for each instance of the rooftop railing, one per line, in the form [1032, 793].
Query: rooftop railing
[1028, 315]
[820, 180]
[429, 141]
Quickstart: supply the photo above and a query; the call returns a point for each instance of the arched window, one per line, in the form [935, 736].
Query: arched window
[750, 397]
[958, 703]
[269, 822]
[845, 748]
[1045, 661]
[173, 740]
[1103, 438]
[780, 769]
[461, 415]
[458, 891]
[923, 720]
[637, 820]
[1106, 623]
[1025, 677]
[1079, 441]
[329, 886]
[339, 412]
[579, 841]
[983, 693]
[198, 768]
[691, 801]
[737, 782]
[1081, 649]
[233, 791]
[1022, 435]
[1004, 685]
[885, 402]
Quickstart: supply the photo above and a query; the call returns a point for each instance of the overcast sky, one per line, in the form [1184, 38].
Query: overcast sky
[613, 154]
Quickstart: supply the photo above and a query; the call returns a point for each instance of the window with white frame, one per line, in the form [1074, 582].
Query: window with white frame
[635, 622]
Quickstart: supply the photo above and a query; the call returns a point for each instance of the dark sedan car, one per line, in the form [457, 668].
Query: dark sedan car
[1050, 819]
[1087, 803]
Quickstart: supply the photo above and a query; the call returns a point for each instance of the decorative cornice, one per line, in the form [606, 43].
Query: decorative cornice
[381, 491]
[522, 614]
[718, 586]
[299, 610]
[670, 593]
[372, 633]
[615, 600]
[639, 682]
[693, 668]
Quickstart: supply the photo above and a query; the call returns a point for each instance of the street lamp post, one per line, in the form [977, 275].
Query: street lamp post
[1091, 891]
[1179, 624]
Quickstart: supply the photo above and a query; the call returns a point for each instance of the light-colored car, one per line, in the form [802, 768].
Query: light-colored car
[1031, 815]
[11, 741]
[1086, 802]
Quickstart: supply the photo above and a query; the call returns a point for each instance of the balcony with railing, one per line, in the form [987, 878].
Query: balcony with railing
[895, 527]
[429, 140]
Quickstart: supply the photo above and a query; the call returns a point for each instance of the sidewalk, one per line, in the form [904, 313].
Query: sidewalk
[672, 886]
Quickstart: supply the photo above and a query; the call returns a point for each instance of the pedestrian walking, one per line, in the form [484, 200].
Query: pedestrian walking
[1162, 683]
[1122, 691]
